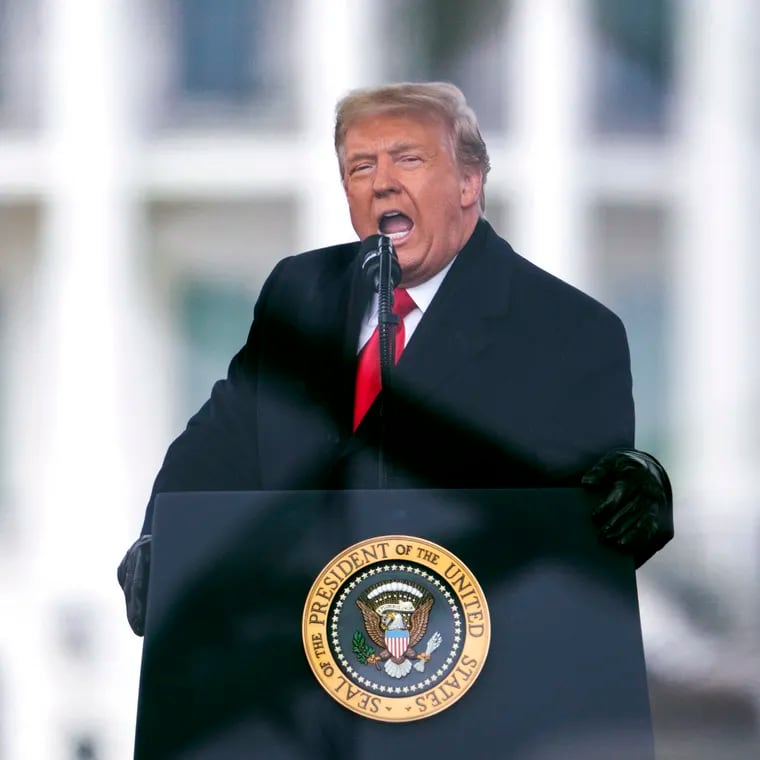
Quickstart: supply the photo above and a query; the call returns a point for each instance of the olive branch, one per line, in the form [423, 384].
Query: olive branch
[361, 648]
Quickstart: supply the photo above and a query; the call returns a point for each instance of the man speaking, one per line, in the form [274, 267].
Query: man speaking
[505, 376]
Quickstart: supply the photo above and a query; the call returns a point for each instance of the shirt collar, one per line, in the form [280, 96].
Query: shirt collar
[423, 294]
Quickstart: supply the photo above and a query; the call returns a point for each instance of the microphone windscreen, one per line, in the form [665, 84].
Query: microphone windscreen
[371, 251]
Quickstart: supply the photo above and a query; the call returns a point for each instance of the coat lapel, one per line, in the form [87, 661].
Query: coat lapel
[340, 299]
[463, 318]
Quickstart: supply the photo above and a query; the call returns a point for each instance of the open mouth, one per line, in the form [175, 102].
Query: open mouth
[396, 226]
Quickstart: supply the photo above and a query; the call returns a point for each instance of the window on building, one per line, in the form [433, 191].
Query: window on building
[633, 65]
[4, 484]
[228, 62]
[630, 249]
[20, 64]
[211, 259]
[19, 246]
[214, 319]
[3, 52]
[458, 42]
[217, 54]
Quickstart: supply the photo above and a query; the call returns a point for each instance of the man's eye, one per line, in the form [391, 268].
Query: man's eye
[360, 168]
[410, 159]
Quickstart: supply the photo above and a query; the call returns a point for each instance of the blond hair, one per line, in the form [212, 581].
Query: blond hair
[440, 100]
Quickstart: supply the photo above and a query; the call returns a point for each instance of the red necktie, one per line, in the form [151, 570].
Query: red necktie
[368, 368]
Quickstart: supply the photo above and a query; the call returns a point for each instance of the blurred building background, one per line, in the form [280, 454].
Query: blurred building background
[157, 157]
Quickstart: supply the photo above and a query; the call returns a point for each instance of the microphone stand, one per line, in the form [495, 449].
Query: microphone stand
[387, 323]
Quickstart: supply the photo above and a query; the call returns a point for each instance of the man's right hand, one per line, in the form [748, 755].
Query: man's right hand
[133, 573]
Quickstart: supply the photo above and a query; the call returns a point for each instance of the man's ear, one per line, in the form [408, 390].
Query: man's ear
[471, 187]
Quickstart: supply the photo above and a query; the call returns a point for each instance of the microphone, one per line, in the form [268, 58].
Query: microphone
[383, 272]
[379, 261]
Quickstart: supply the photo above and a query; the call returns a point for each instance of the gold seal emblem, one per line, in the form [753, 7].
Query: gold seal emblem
[396, 628]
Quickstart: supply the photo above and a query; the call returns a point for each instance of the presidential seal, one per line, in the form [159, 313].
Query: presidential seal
[396, 628]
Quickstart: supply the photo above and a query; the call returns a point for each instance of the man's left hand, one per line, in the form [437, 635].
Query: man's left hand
[634, 493]
[133, 574]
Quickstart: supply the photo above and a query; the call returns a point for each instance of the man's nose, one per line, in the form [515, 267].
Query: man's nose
[384, 180]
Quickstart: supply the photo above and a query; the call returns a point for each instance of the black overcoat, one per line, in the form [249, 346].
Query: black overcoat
[513, 378]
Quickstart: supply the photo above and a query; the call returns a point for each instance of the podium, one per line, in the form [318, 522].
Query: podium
[225, 675]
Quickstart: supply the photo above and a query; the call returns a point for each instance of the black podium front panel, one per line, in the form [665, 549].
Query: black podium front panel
[224, 674]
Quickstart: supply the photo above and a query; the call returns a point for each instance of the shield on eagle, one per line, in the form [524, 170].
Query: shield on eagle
[397, 642]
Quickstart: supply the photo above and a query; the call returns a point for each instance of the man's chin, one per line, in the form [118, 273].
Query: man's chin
[410, 272]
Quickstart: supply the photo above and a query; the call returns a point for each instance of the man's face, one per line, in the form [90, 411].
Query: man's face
[402, 180]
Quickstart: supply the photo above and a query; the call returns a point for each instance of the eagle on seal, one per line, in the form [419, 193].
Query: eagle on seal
[396, 617]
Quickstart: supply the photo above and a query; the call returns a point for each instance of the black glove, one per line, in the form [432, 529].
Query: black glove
[634, 513]
[133, 574]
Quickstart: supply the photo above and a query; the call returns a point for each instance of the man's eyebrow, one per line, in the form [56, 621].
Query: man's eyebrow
[394, 149]
[403, 146]
[360, 156]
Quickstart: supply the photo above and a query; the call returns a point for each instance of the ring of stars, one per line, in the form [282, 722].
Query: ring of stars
[423, 684]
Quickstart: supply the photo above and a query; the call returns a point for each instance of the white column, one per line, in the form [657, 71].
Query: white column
[333, 63]
[715, 334]
[549, 63]
[76, 533]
